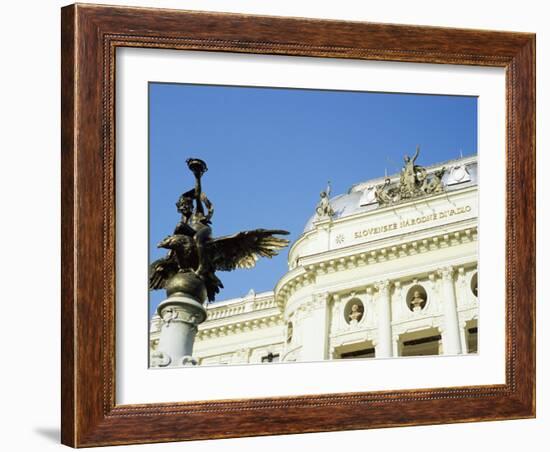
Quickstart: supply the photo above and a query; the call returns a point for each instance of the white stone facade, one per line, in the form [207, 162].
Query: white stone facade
[409, 268]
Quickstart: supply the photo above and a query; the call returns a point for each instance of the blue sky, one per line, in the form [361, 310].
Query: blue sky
[270, 151]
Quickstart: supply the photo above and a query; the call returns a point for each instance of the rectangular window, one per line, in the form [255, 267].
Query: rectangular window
[364, 353]
[422, 347]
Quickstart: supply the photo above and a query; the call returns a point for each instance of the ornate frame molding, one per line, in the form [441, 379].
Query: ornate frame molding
[90, 36]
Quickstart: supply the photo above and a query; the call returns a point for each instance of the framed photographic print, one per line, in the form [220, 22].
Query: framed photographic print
[281, 225]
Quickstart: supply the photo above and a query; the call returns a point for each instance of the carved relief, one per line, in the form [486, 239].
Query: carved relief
[458, 175]
[387, 193]
[173, 314]
[417, 298]
[168, 315]
[160, 359]
[354, 311]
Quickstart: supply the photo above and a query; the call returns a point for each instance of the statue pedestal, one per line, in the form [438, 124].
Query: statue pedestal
[180, 315]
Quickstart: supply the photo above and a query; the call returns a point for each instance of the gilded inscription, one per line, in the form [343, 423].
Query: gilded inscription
[421, 219]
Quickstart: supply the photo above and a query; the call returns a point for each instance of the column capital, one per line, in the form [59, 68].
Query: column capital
[383, 286]
[447, 273]
[319, 299]
[175, 314]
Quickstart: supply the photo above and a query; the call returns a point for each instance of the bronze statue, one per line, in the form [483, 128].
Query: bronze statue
[194, 255]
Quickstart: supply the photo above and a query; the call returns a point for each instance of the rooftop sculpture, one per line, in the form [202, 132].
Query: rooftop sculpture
[413, 183]
[324, 210]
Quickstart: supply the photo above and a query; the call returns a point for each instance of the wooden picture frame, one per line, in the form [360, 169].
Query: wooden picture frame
[90, 36]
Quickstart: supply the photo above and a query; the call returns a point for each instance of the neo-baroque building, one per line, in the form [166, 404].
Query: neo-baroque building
[388, 269]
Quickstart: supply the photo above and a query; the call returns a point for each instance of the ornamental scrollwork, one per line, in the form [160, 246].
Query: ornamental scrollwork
[160, 359]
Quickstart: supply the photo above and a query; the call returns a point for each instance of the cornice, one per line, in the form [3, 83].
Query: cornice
[337, 222]
[367, 254]
[244, 306]
[239, 325]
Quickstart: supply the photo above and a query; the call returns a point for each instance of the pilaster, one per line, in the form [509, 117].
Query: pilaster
[384, 348]
[451, 344]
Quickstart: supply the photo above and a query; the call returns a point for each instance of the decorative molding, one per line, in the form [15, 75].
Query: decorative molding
[447, 273]
[242, 306]
[316, 301]
[383, 287]
[160, 359]
[173, 314]
[239, 326]
[306, 276]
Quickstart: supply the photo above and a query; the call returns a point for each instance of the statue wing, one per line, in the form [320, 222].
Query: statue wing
[161, 270]
[243, 249]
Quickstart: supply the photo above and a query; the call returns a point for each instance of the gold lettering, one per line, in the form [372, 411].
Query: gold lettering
[412, 221]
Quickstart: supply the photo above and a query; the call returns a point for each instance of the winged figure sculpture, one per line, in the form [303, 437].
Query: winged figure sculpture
[194, 252]
[241, 250]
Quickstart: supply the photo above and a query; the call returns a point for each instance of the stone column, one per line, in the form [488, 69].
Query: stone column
[396, 345]
[180, 316]
[315, 329]
[451, 343]
[463, 337]
[384, 347]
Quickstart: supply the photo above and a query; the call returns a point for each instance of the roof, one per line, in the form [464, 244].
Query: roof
[359, 198]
